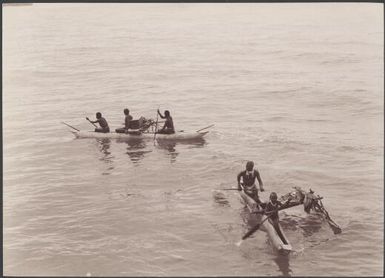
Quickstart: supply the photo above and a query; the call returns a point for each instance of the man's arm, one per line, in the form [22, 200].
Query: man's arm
[161, 115]
[92, 121]
[239, 181]
[259, 180]
[285, 204]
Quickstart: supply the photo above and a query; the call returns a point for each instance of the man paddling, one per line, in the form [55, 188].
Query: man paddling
[168, 127]
[127, 120]
[102, 122]
[248, 181]
[273, 206]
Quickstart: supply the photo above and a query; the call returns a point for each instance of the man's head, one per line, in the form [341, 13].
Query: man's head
[167, 113]
[273, 197]
[249, 165]
[126, 111]
[98, 115]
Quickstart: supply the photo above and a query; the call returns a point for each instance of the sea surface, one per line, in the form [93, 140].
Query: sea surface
[297, 88]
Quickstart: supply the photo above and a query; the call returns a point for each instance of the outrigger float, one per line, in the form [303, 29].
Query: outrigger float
[276, 235]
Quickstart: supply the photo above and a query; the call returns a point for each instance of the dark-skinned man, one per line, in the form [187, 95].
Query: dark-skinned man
[246, 181]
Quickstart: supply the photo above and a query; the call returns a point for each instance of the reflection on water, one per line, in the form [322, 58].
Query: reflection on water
[135, 148]
[104, 147]
[283, 264]
[170, 146]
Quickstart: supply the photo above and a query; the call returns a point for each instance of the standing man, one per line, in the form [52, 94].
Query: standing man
[168, 127]
[102, 122]
[127, 120]
[248, 181]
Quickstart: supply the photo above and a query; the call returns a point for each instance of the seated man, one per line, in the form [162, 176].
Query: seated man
[248, 181]
[102, 122]
[168, 127]
[127, 120]
[272, 208]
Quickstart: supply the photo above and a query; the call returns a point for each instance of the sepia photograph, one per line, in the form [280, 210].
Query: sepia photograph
[193, 139]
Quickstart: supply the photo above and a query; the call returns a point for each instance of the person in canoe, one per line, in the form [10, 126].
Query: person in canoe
[127, 120]
[102, 122]
[248, 181]
[272, 207]
[168, 127]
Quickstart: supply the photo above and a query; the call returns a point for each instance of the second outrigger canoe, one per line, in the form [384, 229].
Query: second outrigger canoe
[150, 135]
[277, 237]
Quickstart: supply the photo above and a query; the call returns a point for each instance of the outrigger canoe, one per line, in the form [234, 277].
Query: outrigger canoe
[277, 237]
[150, 135]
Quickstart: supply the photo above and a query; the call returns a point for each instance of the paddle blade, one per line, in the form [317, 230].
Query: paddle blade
[239, 243]
[251, 231]
[335, 228]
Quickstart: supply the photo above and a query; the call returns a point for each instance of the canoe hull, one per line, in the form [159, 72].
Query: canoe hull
[113, 135]
[279, 242]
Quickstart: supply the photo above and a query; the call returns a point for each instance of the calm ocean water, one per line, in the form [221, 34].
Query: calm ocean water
[298, 88]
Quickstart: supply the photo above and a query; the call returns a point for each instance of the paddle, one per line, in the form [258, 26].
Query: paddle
[70, 126]
[156, 124]
[336, 229]
[254, 229]
[231, 188]
[205, 128]
[91, 122]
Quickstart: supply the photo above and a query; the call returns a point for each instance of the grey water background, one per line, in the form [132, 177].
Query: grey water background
[298, 88]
